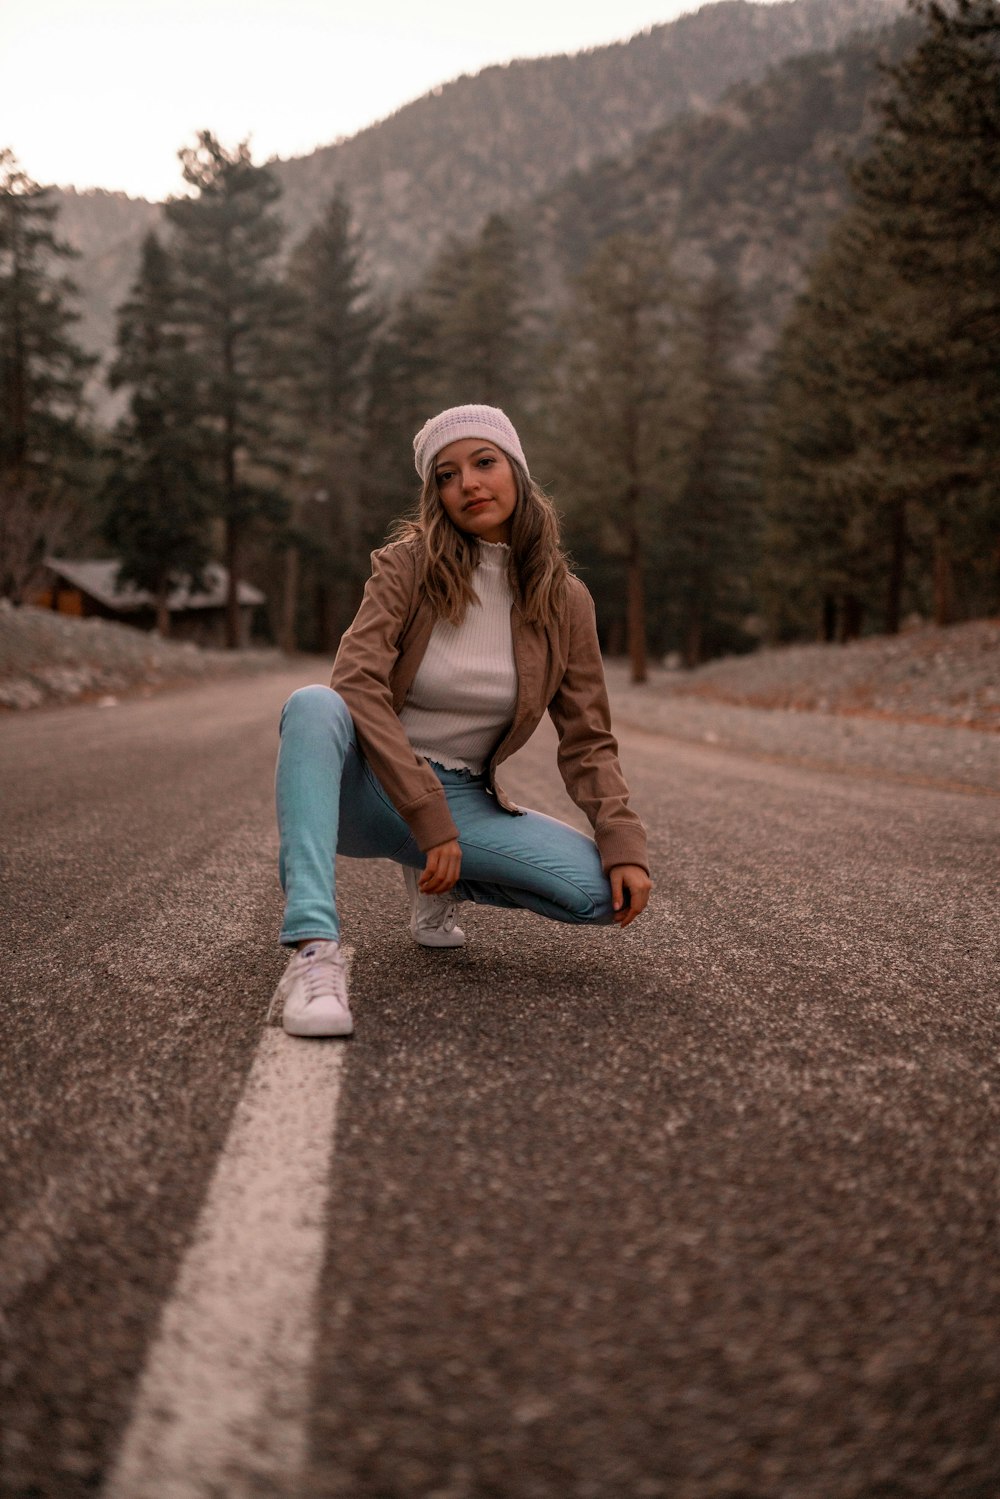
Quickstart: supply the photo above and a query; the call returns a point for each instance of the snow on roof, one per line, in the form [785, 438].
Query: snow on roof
[100, 581]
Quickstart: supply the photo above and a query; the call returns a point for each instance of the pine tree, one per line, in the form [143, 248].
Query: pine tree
[474, 296]
[463, 334]
[928, 204]
[330, 348]
[887, 420]
[615, 413]
[335, 320]
[234, 311]
[400, 398]
[826, 540]
[708, 536]
[42, 372]
[159, 496]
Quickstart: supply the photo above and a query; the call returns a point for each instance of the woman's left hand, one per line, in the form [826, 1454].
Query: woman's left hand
[633, 880]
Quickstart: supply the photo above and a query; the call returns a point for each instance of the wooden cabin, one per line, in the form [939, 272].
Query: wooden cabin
[89, 589]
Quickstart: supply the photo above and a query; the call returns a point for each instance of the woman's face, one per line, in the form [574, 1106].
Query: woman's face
[477, 488]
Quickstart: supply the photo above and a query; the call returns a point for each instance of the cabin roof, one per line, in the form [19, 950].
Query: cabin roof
[100, 581]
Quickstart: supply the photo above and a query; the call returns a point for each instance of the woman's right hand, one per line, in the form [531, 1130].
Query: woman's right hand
[442, 869]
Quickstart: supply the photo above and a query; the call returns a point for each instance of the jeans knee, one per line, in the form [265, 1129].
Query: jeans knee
[602, 911]
[587, 897]
[316, 701]
[595, 892]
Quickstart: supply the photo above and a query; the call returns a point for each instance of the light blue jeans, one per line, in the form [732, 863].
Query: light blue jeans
[329, 802]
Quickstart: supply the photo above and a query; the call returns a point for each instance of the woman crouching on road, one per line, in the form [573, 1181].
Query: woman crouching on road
[470, 628]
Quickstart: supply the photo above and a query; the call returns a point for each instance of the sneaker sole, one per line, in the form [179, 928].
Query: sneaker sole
[317, 1028]
[446, 941]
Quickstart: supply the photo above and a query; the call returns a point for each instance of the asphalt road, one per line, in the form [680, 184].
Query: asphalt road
[705, 1209]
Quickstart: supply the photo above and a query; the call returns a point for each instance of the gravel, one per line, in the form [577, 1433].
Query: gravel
[922, 707]
[925, 675]
[47, 658]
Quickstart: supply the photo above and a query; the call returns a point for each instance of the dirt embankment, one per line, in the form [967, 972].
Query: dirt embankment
[53, 658]
[923, 707]
[928, 675]
[944, 677]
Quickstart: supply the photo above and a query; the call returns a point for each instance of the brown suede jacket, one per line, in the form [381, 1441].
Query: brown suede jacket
[558, 668]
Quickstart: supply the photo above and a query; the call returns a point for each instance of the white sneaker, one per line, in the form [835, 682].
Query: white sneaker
[313, 991]
[432, 917]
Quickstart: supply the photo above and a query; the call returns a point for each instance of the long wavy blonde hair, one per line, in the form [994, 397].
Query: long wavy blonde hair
[538, 568]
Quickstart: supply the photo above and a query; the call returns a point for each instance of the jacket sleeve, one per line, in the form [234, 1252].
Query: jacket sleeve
[588, 751]
[367, 654]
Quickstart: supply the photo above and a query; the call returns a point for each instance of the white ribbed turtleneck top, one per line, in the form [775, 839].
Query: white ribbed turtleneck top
[465, 690]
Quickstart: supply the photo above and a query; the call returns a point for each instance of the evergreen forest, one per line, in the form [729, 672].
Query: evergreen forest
[751, 348]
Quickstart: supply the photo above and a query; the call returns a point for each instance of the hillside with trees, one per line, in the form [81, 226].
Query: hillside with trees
[44, 444]
[748, 190]
[753, 358]
[757, 358]
[881, 490]
[505, 135]
[490, 141]
[652, 385]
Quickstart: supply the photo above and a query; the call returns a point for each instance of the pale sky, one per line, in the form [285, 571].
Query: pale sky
[103, 93]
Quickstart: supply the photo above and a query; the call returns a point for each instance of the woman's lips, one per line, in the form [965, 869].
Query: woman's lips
[475, 504]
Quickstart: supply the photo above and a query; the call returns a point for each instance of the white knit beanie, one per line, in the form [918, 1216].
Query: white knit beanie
[465, 421]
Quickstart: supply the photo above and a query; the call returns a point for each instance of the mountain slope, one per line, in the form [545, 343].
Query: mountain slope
[490, 142]
[486, 143]
[750, 188]
[107, 229]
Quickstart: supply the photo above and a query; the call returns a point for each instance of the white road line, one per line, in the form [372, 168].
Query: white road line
[222, 1403]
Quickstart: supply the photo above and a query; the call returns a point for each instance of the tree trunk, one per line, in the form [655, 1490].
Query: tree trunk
[290, 601]
[635, 590]
[897, 569]
[18, 375]
[162, 612]
[828, 626]
[233, 622]
[944, 589]
[350, 520]
[636, 604]
[693, 636]
[331, 617]
[852, 616]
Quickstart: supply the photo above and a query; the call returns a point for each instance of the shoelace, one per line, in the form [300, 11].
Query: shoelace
[448, 919]
[325, 977]
[330, 965]
[440, 911]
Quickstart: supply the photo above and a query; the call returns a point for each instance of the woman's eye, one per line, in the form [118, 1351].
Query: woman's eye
[446, 477]
[486, 462]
